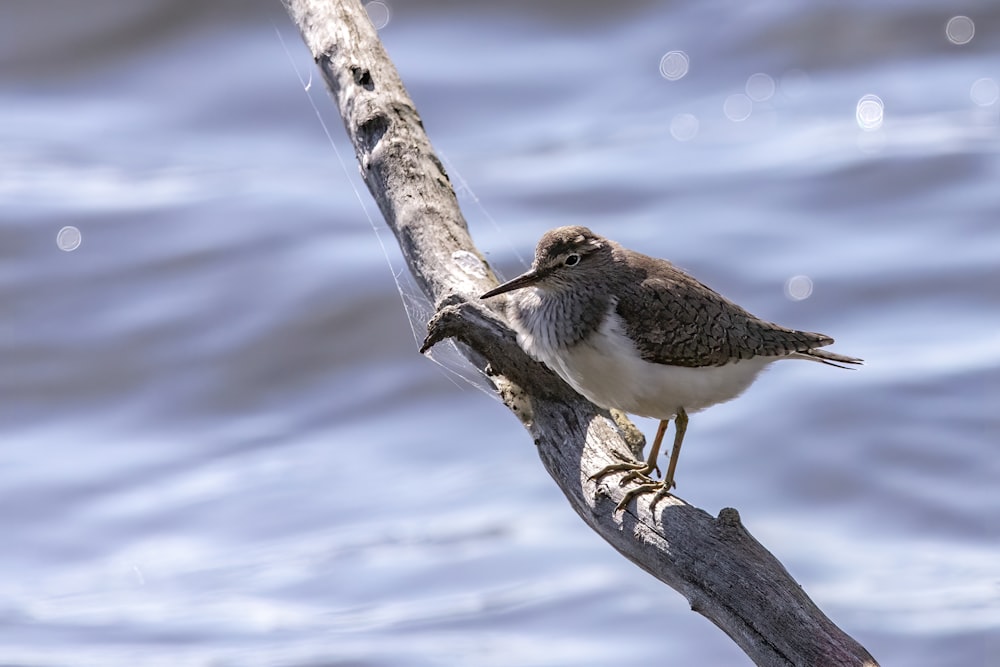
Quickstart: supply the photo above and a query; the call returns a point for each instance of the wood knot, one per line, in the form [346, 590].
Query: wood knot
[363, 77]
[729, 519]
[447, 322]
[371, 130]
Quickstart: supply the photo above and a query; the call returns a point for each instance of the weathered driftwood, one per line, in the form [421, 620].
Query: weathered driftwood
[725, 574]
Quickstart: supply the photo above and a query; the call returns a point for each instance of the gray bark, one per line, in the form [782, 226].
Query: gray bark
[725, 574]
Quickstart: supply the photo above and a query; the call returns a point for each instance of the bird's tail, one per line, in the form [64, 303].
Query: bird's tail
[828, 358]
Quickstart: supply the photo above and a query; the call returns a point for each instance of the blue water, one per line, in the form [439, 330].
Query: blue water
[221, 447]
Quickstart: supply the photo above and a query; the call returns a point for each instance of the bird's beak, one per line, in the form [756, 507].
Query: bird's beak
[526, 279]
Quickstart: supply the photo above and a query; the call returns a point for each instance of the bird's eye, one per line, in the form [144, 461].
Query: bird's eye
[572, 260]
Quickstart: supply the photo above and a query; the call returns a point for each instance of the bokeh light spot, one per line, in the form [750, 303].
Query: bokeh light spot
[798, 288]
[960, 30]
[870, 112]
[674, 65]
[378, 13]
[684, 127]
[985, 92]
[760, 87]
[737, 107]
[69, 238]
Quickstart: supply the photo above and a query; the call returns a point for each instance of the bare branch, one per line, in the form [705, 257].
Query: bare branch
[715, 563]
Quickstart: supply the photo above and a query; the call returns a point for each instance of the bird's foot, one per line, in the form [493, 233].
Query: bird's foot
[636, 470]
[660, 494]
[661, 488]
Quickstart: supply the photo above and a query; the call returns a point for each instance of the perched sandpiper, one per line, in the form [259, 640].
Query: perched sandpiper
[637, 334]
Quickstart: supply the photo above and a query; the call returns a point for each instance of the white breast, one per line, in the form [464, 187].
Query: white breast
[607, 369]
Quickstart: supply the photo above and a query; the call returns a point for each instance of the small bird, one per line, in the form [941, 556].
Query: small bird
[637, 334]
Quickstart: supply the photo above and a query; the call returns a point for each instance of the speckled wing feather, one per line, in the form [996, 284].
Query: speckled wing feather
[676, 320]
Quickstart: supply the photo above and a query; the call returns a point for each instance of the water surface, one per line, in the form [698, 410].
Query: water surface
[221, 446]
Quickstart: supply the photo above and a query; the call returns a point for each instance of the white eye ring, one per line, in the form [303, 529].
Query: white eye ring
[572, 260]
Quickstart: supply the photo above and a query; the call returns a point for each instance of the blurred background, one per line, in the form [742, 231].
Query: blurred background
[220, 446]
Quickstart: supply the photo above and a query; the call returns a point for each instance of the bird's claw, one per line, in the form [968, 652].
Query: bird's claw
[635, 469]
[632, 462]
[661, 489]
[640, 472]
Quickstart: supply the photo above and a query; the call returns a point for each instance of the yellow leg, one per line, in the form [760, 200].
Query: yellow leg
[680, 427]
[657, 441]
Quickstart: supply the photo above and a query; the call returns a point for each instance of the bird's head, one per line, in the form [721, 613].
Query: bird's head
[566, 257]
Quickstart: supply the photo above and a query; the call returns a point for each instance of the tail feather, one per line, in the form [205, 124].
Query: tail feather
[828, 358]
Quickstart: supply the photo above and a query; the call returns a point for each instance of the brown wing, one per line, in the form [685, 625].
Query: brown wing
[676, 320]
